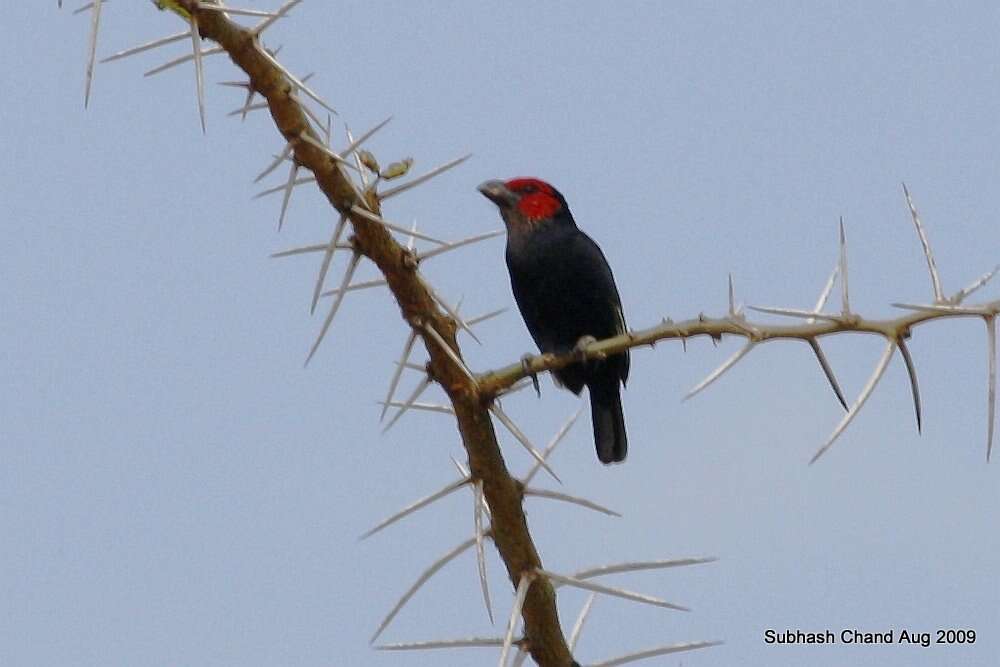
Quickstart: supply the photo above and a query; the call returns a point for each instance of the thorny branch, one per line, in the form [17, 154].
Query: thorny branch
[895, 331]
[418, 307]
[497, 495]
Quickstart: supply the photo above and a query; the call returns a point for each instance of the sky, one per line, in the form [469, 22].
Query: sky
[176, 489]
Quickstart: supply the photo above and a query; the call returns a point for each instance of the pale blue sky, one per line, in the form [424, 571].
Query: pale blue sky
[176, 490]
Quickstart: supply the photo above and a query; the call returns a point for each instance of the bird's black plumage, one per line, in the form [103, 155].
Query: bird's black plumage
[565, 291]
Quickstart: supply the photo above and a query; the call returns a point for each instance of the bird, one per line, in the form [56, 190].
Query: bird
[566, 293]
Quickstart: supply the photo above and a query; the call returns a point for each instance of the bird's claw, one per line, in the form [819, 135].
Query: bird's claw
[526, 366]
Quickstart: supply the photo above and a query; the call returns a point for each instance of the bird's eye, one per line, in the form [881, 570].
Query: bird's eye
[529, 189]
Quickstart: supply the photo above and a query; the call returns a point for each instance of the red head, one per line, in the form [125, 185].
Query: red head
[525, 201]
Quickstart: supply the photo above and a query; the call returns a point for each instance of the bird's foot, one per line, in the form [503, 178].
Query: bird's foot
[526, 365]
[580, 349]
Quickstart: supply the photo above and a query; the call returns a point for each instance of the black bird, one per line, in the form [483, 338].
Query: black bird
[566, 292]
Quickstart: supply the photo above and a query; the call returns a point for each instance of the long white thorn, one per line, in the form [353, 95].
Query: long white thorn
[412, 241]
[306, 137]
[399, 189]
[717, 373]
[414, 506]
[324, 266]
[477, 509]
[248, 107]
[420, 388]
[814, 344]
[398, 373]
[866, 391]
[810, 316]
[448, 308]
[354, 287]
[421, 580]
[348, 274]
[637, 566]
[574, 636]
[454, 245]
[95, 26]
[313, 116]
[278, 159]
[732, 298]
[608, 590]
[460, 467]
[654, 652]
[432, 332]
[944, 308]
[911, 371]
[523, 584]
[298, 83]
[440, 408]
[357, 159]
[552, 444]
[991, 392]
[307, 249]
[521, 438]
[845, 297]
[181, 60]
[827, 371]
[293, 170]
[368, 215]
[960, 295]
[146, 46]
[268, 22]
[794, 312]
[473, 321]
[199, 70]
[471, 642]
[282, 188]
[356, 143]
[824, 295]
[239, 12]
[565, 497]
[928, 255]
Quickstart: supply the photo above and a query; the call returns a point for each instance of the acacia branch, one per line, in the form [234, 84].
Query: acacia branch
[495, 381]
[436, 323]
[418, 307]
[894, 331]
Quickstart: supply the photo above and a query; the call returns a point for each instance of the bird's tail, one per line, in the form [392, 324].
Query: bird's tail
[609, 421]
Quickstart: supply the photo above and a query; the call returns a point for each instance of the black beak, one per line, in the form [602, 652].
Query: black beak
[498, 193]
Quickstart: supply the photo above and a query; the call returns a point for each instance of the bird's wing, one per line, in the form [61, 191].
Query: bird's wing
[600, 282]
[565, 290]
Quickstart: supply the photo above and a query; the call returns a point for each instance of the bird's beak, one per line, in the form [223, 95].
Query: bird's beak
[498, 193]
